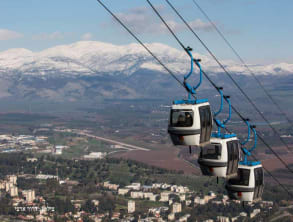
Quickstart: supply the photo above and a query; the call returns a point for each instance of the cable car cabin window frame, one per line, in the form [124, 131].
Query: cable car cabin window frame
[209, 123]
[258, 178]
[205, 123]
[216, 155]
[236, 147]
[190, 111]
[232, 156]
[236, 181]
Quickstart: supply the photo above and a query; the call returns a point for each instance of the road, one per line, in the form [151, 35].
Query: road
[111, 141]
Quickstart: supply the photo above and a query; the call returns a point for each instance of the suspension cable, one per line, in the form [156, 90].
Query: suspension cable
[244, 63]
[222, 66]
[243, 119]
[157, 59]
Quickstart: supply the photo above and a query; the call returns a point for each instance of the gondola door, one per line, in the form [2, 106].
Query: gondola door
[205, 123]
[230, 157]
[258, 175]
[233, 157]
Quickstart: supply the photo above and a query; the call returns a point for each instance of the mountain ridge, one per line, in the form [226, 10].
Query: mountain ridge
[96, 58]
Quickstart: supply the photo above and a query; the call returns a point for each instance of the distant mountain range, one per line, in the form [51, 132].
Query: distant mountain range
[90, 70]
[97, 58]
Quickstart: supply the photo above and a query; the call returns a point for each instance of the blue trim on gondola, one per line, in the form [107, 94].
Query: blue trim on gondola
[223, 136]
[249, 163]
[190, 101]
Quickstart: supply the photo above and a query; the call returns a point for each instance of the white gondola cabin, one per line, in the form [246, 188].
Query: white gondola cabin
[248, 185]
[190, 124]
[220, 158]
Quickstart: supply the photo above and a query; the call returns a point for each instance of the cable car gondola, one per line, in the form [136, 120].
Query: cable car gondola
[248, 186]
[220, 158]
[249, 183]
[190, 120]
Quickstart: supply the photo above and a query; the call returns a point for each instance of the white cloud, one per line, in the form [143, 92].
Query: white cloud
[6, 34]
[87, 36]
[141, 20]
[198, 24]
[49, 36]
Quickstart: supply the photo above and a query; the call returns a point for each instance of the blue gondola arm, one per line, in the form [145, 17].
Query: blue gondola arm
[220, 89]
[248, 133]
[230, 110]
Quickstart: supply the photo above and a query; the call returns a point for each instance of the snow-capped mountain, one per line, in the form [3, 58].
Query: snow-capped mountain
[89, 71]
[90, 58]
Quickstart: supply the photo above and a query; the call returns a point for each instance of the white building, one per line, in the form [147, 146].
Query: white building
[131, 206]
[137, 194]
[177, 208]
[223, 219]
[29, 195]
[13, 191]
[165, 186]
[31, 160]
[46, 177]
[123, 191]
[165, 196]
[8, 185]
[110, 186]
[134, 186]
[148, 195]
[157, 185]
[58, 151]
[179, 189]
[61, 147]
[95, 155]
[158, 210]
[198, 200]
[12, 179]
[182, 197]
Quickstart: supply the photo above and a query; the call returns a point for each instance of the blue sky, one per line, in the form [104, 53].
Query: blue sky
[261, 30]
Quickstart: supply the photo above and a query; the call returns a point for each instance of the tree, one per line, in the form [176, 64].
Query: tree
[89, 207]
[106, 204]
